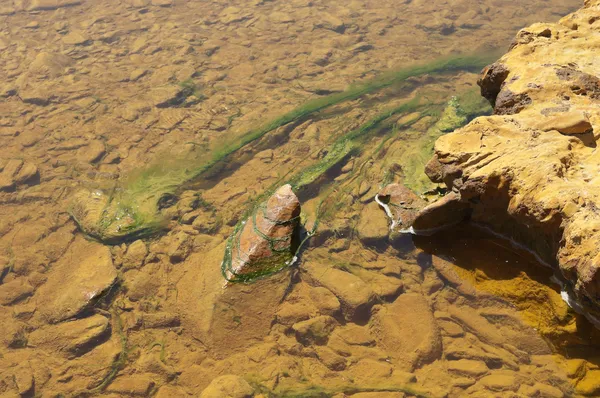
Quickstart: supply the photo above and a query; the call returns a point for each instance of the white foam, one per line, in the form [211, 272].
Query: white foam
[389, 213]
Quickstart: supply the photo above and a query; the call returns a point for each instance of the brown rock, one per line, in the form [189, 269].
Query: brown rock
[500, 382]
[373, 225]
[72, 338]
[135, 255]
[28, 174]
[315, 330]
[407, 329]
[15, 290]
[163, 97]
[491, 81]
[590, 384]
[402, 203]
[531, 176]
[266, 234]
[92, 152]
[50, 64]
[477, 325]
[40, 5]
[354, 294]
[24, 379]
[467, 367]
[75, 38]
[144, 285]
[78, 278]
[446, 212]
[228, 386]
[134, 385]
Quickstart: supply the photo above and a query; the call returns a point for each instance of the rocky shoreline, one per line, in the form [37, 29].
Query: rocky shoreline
[529, 171]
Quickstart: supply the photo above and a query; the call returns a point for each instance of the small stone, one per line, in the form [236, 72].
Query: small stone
[355, 295]
[135, 255]
[451, 329]
[43, 5]
[75, 38]
[230, 386]
[15, 290]
[28, 174]
[410, 344]
[499, 382]
[356, 335]
[330, 22]
[163, 97]
[73, 338]
[467, 367]
[373, 225]
[590, 384]
[137, 74]
[134, 385]
[159, 320]
[448, 211]
[162, 3]
[330, 359]
[35, 96]
[144, 285]
[546, 391]
[24, 379]
[85, 272]
[92, 152]
[266, 234]
[324, 300]
[402, 204]
[315, 330]
[179, 247]
[463, 382]
[370, 370]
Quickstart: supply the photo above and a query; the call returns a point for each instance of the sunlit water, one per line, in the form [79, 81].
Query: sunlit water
[126, 102]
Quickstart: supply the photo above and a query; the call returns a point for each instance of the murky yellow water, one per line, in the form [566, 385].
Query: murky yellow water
[137, 135]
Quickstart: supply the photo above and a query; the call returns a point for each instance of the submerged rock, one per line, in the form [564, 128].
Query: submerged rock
[228, 386]
[75, 281]
[71, 338]
[531, 170]
[401, 205]
[262, 244]
[408, 331]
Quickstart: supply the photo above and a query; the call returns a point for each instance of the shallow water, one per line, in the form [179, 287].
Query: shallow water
[155, 127]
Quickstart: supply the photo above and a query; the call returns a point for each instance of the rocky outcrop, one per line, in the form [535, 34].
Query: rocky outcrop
[263, 242]
[530, 171]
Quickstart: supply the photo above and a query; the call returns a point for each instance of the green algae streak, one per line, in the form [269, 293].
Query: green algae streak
[132, 212]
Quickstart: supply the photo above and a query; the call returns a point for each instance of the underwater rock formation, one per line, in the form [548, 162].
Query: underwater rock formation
[530, 171]
[262, 244]
[400, 204]
[227, 317]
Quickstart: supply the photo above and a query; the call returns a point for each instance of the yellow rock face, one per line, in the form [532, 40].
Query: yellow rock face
[530, 171]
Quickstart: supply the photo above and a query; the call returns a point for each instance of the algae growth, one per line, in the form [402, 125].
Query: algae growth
[132, 210]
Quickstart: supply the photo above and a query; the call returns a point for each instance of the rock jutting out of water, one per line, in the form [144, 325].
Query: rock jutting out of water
[262, 244]
[530, 171]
